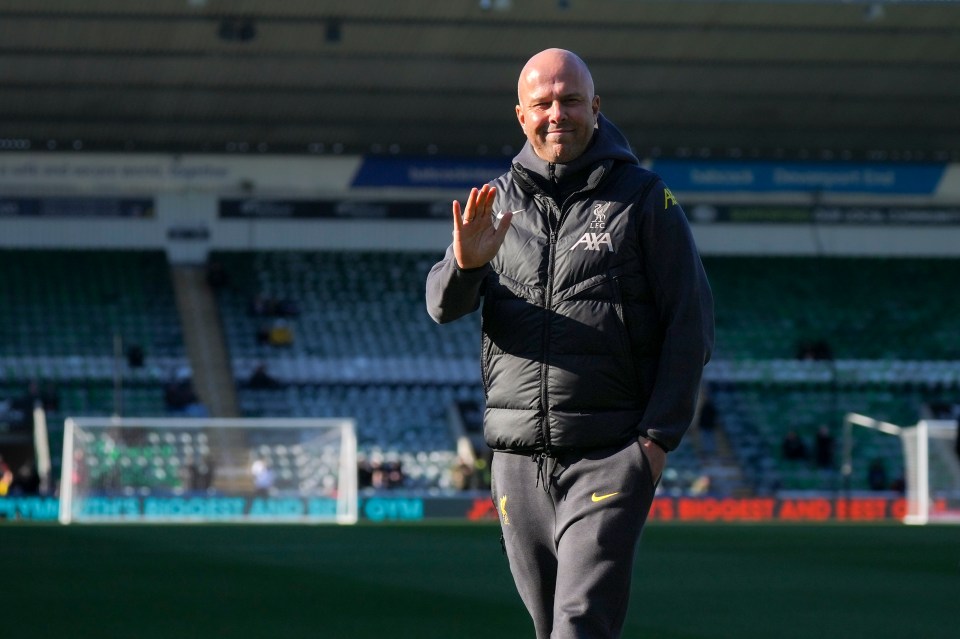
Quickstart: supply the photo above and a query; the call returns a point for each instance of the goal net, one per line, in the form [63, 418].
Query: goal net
[143, 470]
[931, 462]
[932, 472]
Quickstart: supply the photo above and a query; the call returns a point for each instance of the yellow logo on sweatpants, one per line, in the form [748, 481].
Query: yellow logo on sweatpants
[503, 510]
[595, 497]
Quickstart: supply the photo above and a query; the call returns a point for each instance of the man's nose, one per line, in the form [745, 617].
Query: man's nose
[557, 112]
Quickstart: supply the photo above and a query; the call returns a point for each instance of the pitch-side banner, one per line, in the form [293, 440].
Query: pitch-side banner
[386, 507]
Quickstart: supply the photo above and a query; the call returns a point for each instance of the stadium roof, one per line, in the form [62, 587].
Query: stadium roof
[874, 80]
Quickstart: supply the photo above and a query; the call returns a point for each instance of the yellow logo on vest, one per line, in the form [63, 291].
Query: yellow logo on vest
[595, 497]
[503, 510]
[668, 198]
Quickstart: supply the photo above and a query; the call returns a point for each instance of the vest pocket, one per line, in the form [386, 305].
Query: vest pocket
[616, 296]
[623, 327]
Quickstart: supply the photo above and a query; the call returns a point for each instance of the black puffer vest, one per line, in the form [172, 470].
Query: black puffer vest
[570, 335]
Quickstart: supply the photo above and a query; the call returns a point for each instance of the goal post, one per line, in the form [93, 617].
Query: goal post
[931, 465]
[933, 472]
[186, 470]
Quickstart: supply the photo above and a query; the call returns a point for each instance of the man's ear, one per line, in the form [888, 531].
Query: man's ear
[519, 115]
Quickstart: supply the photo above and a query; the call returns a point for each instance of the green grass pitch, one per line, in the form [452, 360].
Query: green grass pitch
[451, 581]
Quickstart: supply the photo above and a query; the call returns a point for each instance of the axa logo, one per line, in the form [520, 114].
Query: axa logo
[593, 242]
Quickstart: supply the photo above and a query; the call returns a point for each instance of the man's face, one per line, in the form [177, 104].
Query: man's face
[557, 110]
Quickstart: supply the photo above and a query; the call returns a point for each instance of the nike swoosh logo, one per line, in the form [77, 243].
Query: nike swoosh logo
[596, 497]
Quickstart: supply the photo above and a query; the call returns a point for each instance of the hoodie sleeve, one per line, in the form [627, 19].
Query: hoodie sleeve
[685, 308]
[453, 292]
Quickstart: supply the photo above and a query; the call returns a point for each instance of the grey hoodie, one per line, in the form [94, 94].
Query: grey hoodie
[597, 314]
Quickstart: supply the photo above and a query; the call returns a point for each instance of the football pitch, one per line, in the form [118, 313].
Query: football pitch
[452, 581]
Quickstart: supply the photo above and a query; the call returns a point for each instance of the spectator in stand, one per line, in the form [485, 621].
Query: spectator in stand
[877, 475]
[818, 350]
[364, 471]
[824, 447]
[462, 473]
[202, 473]
[27, 480]
[217, 277]
[378, 476]
[6, 478]
[263, 477]
[179, 396]
[793, 447]
[394, 469]
[281, 333]
[261, 379]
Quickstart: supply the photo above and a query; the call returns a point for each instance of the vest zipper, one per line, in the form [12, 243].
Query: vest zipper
[544, 365]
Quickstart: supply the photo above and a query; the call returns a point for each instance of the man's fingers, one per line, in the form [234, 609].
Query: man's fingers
[479, 204]
[481, 212]
[457, 220]
[471, 211]
[476, 240]
[488, 194]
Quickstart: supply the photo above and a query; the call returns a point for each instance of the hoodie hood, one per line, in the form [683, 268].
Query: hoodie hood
[607, 143]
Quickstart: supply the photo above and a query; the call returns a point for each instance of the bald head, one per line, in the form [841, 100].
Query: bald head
[553, 61]
[557, 108]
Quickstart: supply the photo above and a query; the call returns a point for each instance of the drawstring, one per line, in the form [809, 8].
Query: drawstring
[544, 475]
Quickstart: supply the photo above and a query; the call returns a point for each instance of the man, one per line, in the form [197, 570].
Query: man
[597, 322]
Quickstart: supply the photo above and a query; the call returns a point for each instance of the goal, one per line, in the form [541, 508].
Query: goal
[932, 472]
[931, 466]
[171, 470]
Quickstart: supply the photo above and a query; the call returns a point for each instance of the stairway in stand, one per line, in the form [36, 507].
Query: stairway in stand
[212, 372]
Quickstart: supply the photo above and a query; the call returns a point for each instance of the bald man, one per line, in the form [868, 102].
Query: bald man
[597, 323]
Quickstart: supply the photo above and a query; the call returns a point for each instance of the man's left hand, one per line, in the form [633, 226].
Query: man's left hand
[656, 456]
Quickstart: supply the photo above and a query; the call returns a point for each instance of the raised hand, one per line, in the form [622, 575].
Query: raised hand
[475, 239]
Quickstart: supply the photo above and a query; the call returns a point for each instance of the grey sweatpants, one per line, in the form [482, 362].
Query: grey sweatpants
[571, 548]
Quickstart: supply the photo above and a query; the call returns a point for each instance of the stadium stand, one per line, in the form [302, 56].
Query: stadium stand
[863, 308]
[757, 417]
[801, 342]
[337, 305]
[60, 313]
[360, 345]
[60, 310]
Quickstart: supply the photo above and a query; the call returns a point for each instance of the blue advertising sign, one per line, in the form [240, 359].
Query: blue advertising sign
[712, 176]
[804, 177]
[428, 172]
